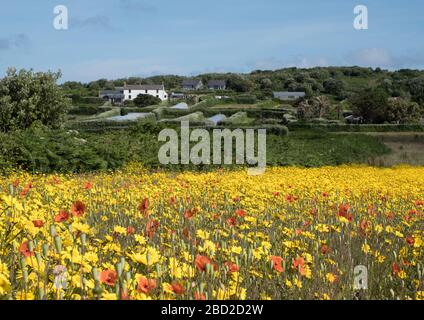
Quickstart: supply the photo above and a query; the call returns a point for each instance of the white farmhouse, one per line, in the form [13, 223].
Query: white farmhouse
[131, 92]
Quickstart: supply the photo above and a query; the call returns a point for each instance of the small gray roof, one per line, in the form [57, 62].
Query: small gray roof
[144, 87]
[289, 94]
[283, 95]
[191, 82]
[220, 83]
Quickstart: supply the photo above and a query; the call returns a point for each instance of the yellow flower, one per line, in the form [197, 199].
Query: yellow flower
[149, 257]
[331, 277]
[366, 248]
[4, 285]
[120, 230]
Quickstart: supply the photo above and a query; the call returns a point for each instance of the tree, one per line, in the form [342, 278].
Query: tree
[416, 87]
[402, 111]
[144, 100]
[371, 104]
[333, 86]
[240, 84]
[316, 107]
[27, 97]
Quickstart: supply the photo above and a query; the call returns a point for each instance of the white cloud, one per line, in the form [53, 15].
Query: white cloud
[372, 57]
[117, 68]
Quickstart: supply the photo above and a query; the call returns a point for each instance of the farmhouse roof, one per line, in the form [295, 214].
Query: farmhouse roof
[144, 87]
[289, 94]
[217, 83]
[191, 82]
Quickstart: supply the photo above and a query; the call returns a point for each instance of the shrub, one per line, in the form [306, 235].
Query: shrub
[246, 99]
[144, 100]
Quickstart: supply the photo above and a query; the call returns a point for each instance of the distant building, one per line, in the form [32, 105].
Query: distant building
[217, 85]
[289, 96]
[177, 95]
[133, 91]
[114, 96]
[192, 84]
[130, 92]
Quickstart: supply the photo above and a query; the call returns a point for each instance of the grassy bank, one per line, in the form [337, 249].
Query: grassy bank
[40, 150]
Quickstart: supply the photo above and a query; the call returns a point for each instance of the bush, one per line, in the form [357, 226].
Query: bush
[27, 97]
[246, 99]
[145, 100]
[88, 110]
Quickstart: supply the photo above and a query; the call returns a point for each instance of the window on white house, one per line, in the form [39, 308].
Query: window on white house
[129, 97]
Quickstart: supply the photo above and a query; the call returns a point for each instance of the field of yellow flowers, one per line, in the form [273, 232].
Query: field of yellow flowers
[291, 233]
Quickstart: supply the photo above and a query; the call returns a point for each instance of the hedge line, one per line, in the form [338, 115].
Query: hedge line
[358, 128]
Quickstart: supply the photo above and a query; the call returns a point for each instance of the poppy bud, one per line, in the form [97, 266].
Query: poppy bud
[58, 244]
[128, 276]
[53, 230]
[119, 267]
[45, 250]
[95, 273]
[30, 246]
[83, 238]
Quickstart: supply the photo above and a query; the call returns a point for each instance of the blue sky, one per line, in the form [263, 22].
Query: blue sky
[120, 38]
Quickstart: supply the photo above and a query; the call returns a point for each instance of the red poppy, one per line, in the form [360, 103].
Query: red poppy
[313, 212]
[201, 263]
[151, 228]
[390, 215]
[410, 240]
[125, 295]
[108, 277]
[15, 183]
[146, 285]
[395, 268]
[232, 221]
[38, 223]
[232, 267]
[241, 213]
[325, 195]
[307, 223]
[290, 198]
[78, 209]
[344, 212]
[419, 203]
[277, 263]
[275, 194]
[88, 185]
[172, 201]
[62, 216]
[24, 249]
[199, 296]
[190, 213]
[299, 261]
[130, 230]
[177, 288]
[144, 206]
[324, 249]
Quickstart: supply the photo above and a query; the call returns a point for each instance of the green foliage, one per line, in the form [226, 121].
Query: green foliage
[371, 104]
[38, 149]
[246, 99]
[145, 100]
[27, 97]
[403, 111]
[416, 88]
